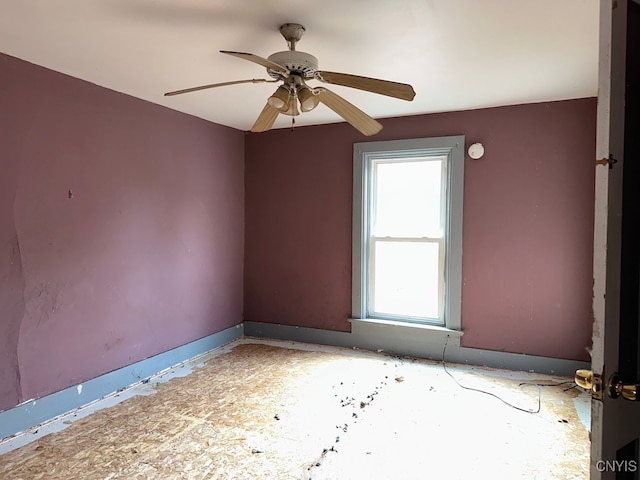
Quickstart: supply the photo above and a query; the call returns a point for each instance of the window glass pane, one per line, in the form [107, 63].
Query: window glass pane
[406, 278]
[406, 197]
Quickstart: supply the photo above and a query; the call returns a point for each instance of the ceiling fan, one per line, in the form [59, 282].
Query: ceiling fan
[293, 69]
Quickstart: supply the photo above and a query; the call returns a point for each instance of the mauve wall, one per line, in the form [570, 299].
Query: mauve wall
[148, 253]
[528, 224]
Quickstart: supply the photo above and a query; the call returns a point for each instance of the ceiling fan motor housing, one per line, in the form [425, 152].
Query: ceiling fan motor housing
[299, 63]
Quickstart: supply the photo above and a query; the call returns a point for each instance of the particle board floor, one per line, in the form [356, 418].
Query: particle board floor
[258, 410]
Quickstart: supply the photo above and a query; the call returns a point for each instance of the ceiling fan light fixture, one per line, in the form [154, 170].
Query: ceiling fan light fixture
[292, 107]
[280, 99]
[308, 99]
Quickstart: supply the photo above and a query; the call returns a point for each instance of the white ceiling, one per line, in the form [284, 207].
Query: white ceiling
[457, 54]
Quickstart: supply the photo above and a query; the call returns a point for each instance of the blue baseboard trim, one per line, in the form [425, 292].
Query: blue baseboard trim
[404, 341]
[364, 335]
[35, 412]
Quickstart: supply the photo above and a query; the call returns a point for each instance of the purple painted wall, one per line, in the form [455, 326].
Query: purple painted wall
[528, 224]
[122, 227]
[121, 230]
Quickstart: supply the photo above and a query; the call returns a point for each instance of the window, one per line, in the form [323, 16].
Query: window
[407, 230]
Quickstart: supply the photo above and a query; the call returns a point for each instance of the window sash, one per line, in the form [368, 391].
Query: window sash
[372, 240]
[371, 281]
[373, 187]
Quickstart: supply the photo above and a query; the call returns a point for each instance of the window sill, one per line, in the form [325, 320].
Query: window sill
[408, 330]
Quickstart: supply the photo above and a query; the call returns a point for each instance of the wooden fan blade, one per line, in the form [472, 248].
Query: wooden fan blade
[402, 91]
[266, 119]
[260, 61]
[223, 84]
[352, 114]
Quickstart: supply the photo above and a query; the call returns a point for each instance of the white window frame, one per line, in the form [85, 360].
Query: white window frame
[364, 156]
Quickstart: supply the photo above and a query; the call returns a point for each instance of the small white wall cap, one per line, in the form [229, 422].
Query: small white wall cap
[476, 150]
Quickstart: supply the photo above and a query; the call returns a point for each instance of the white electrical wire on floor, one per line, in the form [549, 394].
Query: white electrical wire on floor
[525, 410]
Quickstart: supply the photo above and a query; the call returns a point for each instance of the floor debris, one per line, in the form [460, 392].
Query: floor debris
[218, 423]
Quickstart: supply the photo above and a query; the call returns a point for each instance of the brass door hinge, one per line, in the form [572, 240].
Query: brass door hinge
[607, 161]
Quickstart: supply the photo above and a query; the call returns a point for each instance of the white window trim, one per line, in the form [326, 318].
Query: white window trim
[363, 154]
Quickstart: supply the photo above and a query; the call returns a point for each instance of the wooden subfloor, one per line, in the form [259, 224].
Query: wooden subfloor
[259, 411]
